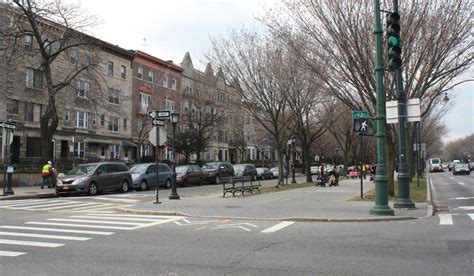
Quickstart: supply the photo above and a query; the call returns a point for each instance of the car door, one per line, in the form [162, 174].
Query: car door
[150, 175]
[115, 176]
[102, 177]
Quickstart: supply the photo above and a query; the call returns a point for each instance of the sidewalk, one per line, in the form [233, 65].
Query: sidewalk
[331, 204]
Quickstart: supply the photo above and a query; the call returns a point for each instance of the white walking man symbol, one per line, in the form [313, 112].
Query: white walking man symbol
[363, 126]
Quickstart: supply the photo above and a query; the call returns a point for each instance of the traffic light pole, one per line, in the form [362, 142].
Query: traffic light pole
[381, 207]
[403, 200]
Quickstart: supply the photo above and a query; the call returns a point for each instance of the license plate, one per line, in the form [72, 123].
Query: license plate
[65, 188]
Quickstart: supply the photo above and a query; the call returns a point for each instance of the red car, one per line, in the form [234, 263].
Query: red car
[189, 175]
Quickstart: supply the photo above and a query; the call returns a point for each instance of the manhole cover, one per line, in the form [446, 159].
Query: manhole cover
[233, 207]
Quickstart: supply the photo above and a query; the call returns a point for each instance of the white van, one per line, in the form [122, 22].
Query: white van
[435, 165]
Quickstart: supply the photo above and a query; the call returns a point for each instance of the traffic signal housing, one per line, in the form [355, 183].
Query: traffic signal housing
[394, 50]
[360, 125]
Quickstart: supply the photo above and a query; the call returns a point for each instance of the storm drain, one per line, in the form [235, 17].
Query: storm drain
[441, 207]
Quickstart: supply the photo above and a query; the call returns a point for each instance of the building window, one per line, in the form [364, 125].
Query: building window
[110, 68]
[114, 151]
[124, 123]
[28, 41]
[151, 76]
[102, 120]
[170, 105]
[67, 116]
[144, 102]
[165, 82]
[12, 107]
[32, 112]
[88, 59]
[114, 124]
[83, 88]
[34, 78]
[81, 119]
[33, 147]
[140, 73]
[114, 96]
[79, 149]
[94, 119]
[74, 55]
[123, 71]
[173, 84]
[47, 47]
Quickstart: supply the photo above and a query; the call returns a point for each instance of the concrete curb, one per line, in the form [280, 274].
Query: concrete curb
[298, 219]
[19, 197]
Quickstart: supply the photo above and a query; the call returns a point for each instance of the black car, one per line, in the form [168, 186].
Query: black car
[245, 170]
[214, 171]
[461, 168]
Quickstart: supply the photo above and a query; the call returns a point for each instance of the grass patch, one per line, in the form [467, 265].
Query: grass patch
[289, 186]
[417, 194]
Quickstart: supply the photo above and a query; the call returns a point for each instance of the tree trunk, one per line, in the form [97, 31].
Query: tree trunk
[49, 124]
[391, 154]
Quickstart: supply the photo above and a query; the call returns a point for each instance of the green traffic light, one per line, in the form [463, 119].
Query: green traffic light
[394, 40]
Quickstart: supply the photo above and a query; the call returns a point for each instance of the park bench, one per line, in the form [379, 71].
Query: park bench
[240, 184]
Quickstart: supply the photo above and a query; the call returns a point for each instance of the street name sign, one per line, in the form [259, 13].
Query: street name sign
[360, 114]
[157, 122]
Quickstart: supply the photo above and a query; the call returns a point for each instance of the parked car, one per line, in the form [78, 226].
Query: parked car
[434, 165]
[274, 170]
[144, 176]
[213, 171]
[264, 173]
[452, 163]
[461, 168]
[189, 175]
[94, 178]
[471, 165]
[245, 170]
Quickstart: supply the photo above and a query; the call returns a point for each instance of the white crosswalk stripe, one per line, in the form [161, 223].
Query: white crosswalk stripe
[64, 205]
[447, 219]
[88, 225]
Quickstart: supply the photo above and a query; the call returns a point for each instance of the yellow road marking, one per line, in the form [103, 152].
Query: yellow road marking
[200, 228]
[224, 221]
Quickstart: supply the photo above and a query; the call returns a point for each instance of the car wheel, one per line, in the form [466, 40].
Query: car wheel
[200, 181]
[143, 185]
[93, 189]
[124, 186]
[168, 184]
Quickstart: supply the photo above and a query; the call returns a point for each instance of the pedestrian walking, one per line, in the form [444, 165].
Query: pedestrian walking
[45, 175]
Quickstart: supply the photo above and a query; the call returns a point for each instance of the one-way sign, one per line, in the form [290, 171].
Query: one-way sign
[8, 125]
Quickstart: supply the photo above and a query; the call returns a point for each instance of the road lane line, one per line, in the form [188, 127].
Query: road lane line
[132, 216]
[95, 221]
[57, 230]
[30, 243]
[11, 253]
[466, 207]
[445, 219]
[460, 183]
[42, 206]
[23, 202]
[471, 216]
[41, 236]
[277, 227]
[80, 225]
[75, 205]
[114, 218]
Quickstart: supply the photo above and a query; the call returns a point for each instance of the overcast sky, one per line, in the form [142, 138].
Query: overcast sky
[172, 28]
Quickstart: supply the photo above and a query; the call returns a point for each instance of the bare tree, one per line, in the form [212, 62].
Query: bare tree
[55, 29]
[436, 49]
[257, 65]
[460, 149]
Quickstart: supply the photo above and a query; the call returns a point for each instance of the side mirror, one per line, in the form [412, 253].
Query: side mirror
[98, 172]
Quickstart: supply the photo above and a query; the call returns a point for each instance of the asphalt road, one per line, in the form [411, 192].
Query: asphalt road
[107, 243]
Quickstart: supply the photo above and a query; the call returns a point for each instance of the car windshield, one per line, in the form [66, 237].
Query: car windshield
[460, 165]
[210, 166]
[181, 169]
[82, 169]
[239, 167]
[435, 161]
[275, 169]
[138, 169]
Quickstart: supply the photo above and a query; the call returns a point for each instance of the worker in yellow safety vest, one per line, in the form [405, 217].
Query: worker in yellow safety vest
[45, 173]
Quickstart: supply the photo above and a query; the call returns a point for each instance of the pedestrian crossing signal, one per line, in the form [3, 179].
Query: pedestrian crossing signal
[360, 125]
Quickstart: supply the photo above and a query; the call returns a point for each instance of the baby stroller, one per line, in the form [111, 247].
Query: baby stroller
[333, 179]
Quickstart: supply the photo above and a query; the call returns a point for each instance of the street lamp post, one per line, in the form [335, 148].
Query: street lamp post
[174, 121]
[381, 178]
[292, 143]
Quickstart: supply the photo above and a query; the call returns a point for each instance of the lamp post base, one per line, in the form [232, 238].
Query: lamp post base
[172, 196]
[404, 204]
[381, 210]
